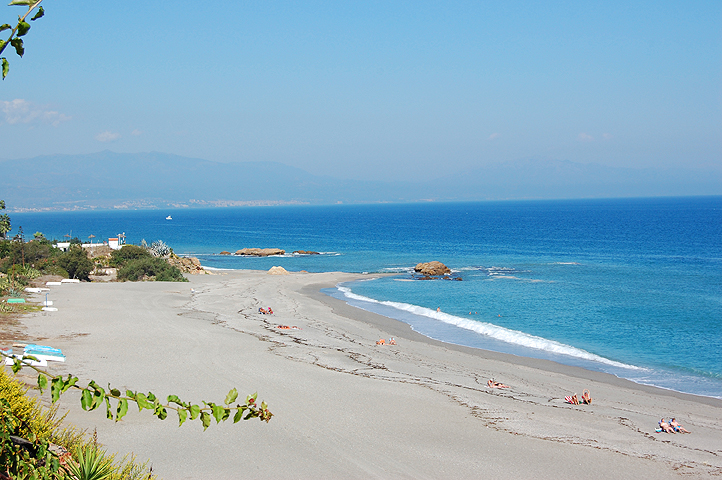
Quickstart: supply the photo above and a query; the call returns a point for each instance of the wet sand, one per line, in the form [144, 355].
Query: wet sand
[345, 407]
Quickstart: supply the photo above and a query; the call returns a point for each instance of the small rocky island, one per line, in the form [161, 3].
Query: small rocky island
[433, 271]
[266, 252]
[260, 252]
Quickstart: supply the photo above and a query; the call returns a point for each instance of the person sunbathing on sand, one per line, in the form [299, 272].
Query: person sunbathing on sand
[392, 341]
[665, 426]
[573, 399]
[270, 311]
[262, 310]
[586, 397]
[493, 384]
[381, 342]
[677, 427]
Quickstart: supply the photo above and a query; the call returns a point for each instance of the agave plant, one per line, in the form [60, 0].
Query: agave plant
[91, 465]
[159, 248]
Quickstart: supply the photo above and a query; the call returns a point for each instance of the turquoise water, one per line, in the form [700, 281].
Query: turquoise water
[631, 287]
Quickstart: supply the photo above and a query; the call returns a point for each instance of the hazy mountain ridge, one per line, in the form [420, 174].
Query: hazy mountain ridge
[157, 180]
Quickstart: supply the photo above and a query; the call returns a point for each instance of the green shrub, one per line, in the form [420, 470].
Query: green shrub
[54, 269]
[35, 421]
[129, 252]
[76, 262]
[152, 267]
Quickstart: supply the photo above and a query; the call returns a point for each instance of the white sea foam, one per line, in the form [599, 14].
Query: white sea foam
[514, 337]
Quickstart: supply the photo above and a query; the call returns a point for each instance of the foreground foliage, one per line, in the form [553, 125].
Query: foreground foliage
[93, 396]
[26, 433]
[18, 31]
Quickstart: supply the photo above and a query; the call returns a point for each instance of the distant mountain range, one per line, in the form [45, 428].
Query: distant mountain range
[159, 180]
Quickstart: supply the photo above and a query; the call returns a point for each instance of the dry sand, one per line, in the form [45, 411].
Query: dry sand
[344, 407]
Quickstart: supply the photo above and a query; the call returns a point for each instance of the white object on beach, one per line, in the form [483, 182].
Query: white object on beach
[32, 290]
[53, 283]
[49, 309]
[47, 358]
[40, 363]
[47, 303]
[70, 280]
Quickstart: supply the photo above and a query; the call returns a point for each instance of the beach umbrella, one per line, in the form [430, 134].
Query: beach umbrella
[91, 237]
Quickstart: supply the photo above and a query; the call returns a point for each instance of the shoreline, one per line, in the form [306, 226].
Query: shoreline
[344, 407]
[404, 330]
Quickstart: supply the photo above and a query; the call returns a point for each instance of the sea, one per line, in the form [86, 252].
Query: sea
[631, 287]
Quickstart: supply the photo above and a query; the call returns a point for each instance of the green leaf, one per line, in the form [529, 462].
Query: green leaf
[98, 397]
[18, 44]
[69, 383]
[239, 414]
[5, 26]
[122, 409]
[232, 396]
[108, 411]
[206, 420]
[86, 400]
[17, 364]
[23, 28]
[219, 412]
[130, 394]
[151, 397]
[175, 399]
[40, 13]
[143, 402]
[56, 387]
[42, 382]
[161, 412]
[182, 416]
[23, 2]
[114, 391]
[195, 411]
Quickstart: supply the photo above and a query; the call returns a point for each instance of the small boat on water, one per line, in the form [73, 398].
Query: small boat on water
[169, 217]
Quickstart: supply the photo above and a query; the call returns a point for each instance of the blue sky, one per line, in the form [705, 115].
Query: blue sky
[371, 90]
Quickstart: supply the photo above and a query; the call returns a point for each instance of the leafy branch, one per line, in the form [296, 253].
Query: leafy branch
[20, 30]
[93, 396]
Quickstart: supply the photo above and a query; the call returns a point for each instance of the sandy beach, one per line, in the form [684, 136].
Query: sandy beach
[345, 407]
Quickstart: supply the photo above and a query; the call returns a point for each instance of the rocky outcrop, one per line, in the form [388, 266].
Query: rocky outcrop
[260, 252]
[225, 253]
[432, 269]
[278, 271]
[187, 264]
[305, 252]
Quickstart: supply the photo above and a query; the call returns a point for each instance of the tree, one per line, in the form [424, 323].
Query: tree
[20, 30]
[4, 221]
[76, 262]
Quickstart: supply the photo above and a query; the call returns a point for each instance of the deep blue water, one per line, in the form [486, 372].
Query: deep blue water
[632, 287]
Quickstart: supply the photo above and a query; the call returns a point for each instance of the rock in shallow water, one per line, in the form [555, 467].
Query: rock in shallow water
[432, 268]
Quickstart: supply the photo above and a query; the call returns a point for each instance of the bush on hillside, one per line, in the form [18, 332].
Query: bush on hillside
[129, 252]
[76, 262]
[151, 268]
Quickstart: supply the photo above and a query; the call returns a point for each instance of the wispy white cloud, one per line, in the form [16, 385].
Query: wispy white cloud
[136, 132]
[607, 136]
[494, 136]
[585, 137]
[20, 111]
[107, 136]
